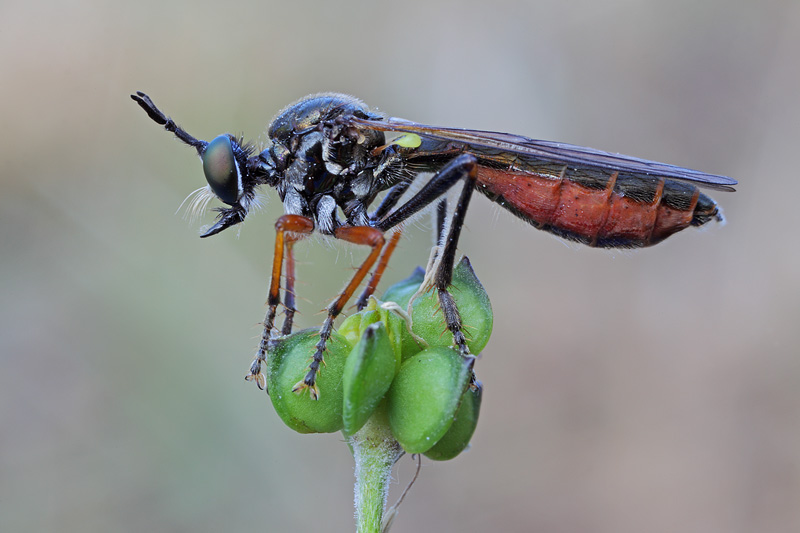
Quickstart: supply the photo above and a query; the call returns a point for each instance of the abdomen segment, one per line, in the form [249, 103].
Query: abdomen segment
[600, 209]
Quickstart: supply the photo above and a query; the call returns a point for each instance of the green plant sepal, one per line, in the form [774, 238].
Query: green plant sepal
[368, 374]
[287, 364]
[424, 396]
[458, 436]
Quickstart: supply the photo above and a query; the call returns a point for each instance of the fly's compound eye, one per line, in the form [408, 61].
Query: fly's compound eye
[222, 169]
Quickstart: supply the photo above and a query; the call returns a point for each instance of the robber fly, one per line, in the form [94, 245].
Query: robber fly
[329, 154]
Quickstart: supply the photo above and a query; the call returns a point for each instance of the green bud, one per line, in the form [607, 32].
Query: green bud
[354, 326]
[466, 420]
[287, 364]
[368, 374]
[397, 326]
[402, 291]
[427, 320]
[424, 397]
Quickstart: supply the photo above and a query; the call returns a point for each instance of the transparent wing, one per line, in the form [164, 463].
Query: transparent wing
[488, 143]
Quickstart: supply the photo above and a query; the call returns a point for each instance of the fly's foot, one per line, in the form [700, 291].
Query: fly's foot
[474, 384]
[313, 389]
[310, 381]
[269, 339]
[256, 374]
[460, 342]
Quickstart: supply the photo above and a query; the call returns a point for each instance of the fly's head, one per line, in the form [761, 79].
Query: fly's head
[232, 172]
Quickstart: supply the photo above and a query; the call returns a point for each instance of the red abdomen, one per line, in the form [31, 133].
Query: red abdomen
[600, 209]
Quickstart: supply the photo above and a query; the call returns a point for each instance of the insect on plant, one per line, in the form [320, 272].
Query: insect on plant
[329, 154]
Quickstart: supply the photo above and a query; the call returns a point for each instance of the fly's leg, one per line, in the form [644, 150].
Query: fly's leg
[441, 227]
[357, 235]
[391, 199]
[288, 290]
[379, 270]
[463, 167]
[288, 230]
[386, 205]
[443, 276]
[441, 219]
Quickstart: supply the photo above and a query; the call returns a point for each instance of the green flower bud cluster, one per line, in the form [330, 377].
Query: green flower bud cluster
[381, 364]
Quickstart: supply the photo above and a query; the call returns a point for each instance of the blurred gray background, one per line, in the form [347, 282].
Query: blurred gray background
[652, 391]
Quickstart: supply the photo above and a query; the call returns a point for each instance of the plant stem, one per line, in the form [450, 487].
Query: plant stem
[375, 451]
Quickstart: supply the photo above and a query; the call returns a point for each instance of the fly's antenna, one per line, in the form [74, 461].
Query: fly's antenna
[159, 117]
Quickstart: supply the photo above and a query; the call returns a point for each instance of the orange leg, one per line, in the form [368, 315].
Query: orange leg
[288, 290]
[379, 270]
[288, 230]
[357, 235]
